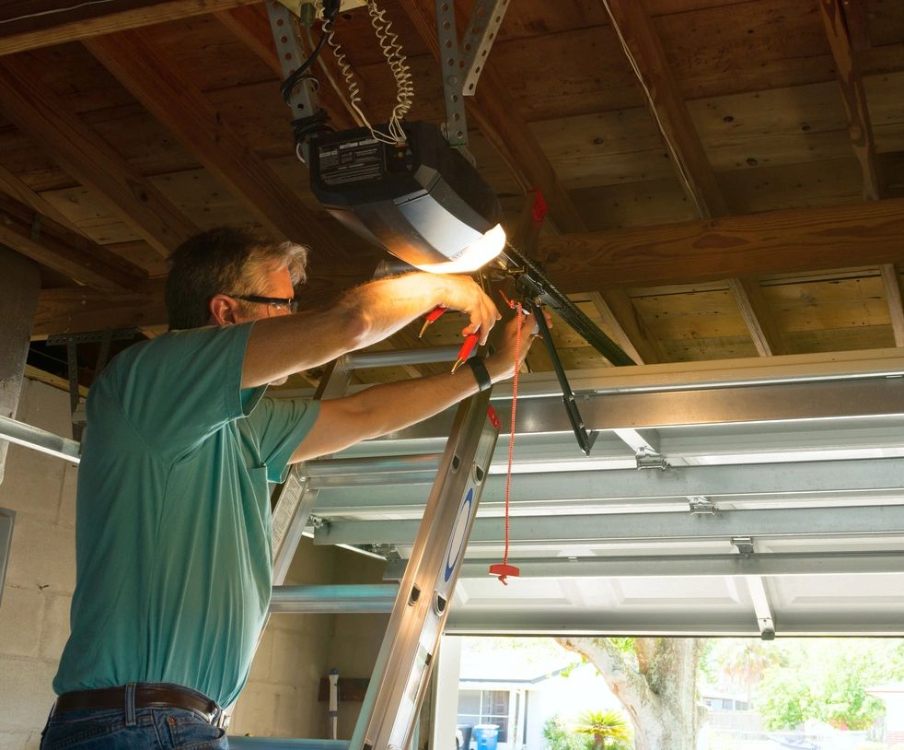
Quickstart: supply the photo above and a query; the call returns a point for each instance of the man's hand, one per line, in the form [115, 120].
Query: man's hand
[501, 364]
[464, 294]
[390, 407]
[363, 316]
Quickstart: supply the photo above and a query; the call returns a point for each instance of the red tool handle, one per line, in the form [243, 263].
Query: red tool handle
[435, 314]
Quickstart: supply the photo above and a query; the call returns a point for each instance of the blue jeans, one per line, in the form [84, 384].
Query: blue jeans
[146, 729]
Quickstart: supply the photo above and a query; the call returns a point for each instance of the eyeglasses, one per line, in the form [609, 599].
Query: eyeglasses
[287, 303]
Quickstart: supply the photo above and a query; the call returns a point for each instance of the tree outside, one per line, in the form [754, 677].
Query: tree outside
[656, 681]
[793, 689]
[593, 730]
[792, 684]
[826, 680]
[607, 730]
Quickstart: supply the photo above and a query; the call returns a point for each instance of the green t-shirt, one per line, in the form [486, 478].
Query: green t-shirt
[173, 544]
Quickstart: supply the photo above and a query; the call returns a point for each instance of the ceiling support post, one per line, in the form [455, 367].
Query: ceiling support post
[19, 287]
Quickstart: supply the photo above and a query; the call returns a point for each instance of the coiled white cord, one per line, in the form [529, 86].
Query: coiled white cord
[392, 51]
[395, 58]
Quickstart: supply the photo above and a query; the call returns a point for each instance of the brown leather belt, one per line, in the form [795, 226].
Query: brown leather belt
[147, 695]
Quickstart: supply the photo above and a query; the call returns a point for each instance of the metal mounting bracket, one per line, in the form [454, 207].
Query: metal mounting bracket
[744, 545]
[648, 460]
[701, 506]
[302, 98]
[460, 74]
[450, 64]
[486, 18]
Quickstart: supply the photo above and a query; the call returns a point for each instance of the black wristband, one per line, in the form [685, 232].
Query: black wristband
[481, 375]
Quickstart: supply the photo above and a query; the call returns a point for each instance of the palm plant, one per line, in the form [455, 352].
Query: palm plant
[608, 730]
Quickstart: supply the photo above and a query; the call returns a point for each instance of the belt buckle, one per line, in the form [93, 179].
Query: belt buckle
[218, 718]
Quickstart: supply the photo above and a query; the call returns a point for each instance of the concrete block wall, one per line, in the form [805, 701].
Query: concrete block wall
[356, 639]
[280, 698]
[34, 614]
[297, 651]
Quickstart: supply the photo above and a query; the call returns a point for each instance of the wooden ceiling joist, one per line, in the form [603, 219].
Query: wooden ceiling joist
[891, 281]
[764, 330]
[72, 310]
[644, 51]
[497, 118]
[788, 241]
[181, 107]
[846, 32]
[860, 129]
[85, 20]
[18, 190]
[87, 158]
[619, 311]
[54, 245]
[791, 241]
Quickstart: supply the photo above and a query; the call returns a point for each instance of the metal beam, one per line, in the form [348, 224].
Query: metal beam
[283, 743]
[679, 407]
[640, 442]
[573, 490]
[38, 439]
[678, 376]
[559, 622]
[761, 606]
[768, 523]
[697, 566]
[7, 519]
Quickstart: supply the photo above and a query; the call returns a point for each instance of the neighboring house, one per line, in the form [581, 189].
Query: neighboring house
[727, 711]
[519, 690]
[892, 695]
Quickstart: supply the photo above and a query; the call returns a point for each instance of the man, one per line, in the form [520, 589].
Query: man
[173, 515]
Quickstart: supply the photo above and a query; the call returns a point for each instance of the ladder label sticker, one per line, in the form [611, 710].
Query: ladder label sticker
[456, 546]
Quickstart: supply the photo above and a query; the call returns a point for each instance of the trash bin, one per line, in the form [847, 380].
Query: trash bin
[485, 736]
[463, 737]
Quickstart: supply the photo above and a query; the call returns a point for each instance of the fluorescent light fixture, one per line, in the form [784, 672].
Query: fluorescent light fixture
[422, 200]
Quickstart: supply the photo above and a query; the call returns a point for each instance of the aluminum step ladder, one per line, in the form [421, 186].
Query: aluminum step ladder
[391, 707]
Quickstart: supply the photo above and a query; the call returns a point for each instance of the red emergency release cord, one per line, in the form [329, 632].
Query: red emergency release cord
[503, 570]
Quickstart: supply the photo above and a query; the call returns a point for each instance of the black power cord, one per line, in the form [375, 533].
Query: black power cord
[330, 11]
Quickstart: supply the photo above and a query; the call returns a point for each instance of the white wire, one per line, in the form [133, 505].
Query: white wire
[354, 90]
[326, 71]
[392, 51]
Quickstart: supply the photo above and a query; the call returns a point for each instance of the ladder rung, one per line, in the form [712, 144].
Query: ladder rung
[360, 360]
[335, 470]
[339, 599]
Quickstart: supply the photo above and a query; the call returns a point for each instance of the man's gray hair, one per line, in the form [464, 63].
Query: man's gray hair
[226, 260]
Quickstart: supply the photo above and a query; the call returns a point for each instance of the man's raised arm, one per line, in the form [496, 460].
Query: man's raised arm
[389, 407]
[281, 346]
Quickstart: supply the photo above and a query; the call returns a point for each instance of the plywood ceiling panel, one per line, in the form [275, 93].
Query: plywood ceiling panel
[634, 204]
[886, 21]
[710, 50]
[809, 184]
